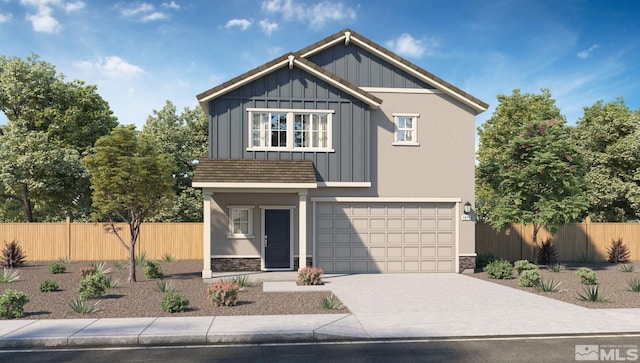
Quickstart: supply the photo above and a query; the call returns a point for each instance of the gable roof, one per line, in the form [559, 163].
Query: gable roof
[346, 35]
[291, 60]
[247, 173]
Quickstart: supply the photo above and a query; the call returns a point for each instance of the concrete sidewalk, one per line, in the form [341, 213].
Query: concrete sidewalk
[382, 307]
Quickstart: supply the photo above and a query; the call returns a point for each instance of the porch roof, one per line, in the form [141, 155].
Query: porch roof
[236, 173]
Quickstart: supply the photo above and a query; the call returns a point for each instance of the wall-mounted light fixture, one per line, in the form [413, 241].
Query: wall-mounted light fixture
[467, 207]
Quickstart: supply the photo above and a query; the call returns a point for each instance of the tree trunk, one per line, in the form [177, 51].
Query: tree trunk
[27, 204]
[134, 230]
[536, 227]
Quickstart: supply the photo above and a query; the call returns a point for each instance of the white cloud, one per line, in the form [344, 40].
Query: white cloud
[268, 27]
[171, 5]
[243, 24]
[587, 52]
[43, 21]
[73, 6]
[5, 18]
[406, 45]
[113, 66]
[317, 15]
[144, 12]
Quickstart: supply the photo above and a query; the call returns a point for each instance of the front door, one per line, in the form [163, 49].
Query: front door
[277, 239]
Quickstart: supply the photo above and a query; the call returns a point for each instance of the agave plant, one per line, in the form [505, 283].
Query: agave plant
[13, 255]
[547, 253]
[548, 285]
[592, 294]
[331, 302]
[618, 252]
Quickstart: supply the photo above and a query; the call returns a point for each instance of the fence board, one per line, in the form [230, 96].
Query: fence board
[571, 240]
[90, 242]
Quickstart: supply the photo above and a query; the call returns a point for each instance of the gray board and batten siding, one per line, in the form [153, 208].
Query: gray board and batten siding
[295, 89]
[364, 69]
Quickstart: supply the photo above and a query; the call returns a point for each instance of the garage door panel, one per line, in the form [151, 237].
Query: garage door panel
[385, 237]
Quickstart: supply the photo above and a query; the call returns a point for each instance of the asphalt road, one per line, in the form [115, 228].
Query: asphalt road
[549, 349]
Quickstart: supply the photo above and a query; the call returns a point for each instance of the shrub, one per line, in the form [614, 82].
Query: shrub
[167, 257]
[331, 302]
[627, 268]
[587, 276]
[140, 259]
[152, 270]
[556, 267]
[121, 265]
[92, 286]
[634, 285]
[166, 286]
[585, 257]
[310, 276]
[82, 306]
[547, 253]
[101, 268]
[222, 293]
[499, 269]
[86, 271]
[592, 294]
[484, 259]
[9, 275]
[618, 252]
[12, 304]
[48, 286]
[242, 281]
[57, 268]
[111, 283]
[13, 255]
[548, 285]
[529, 278]
[522, 265]
[174, 303]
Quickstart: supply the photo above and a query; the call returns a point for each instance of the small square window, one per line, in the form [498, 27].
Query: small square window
[240, 222]
[406, 129]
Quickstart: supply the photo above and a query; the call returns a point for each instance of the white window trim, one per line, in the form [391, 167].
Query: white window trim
[415, 129]
[230, 234]
[290, 129]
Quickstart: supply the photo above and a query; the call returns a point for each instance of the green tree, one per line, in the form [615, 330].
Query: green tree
[131, 180]
[512, 113]
[609, 136]
[44, 109]
[542, 180]
[184, 137]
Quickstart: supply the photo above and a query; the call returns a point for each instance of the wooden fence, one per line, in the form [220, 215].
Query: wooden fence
[90, 242]
[571, 240]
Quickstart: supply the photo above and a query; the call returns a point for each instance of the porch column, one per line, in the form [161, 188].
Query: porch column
[302, 229]
[206, 240]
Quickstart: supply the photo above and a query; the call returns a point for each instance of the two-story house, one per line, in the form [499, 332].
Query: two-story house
[343, 156]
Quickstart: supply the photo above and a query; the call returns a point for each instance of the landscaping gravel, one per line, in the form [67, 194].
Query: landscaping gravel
[142, 298]
[612, 281]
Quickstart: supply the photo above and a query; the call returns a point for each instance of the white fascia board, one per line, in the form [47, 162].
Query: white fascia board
[401, 90]
[255, 185]
[421, 76]
[386, 200]
[324, 46]
[244, 81]
[337, 84]
[344, 184]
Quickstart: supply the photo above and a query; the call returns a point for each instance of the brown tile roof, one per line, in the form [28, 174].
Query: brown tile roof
[254, 171]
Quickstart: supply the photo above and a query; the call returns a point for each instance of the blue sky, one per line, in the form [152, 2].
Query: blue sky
[143, 53]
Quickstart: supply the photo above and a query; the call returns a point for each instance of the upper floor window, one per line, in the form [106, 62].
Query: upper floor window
[406, 129]
[308, 130]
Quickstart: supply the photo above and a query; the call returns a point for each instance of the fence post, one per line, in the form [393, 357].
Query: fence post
[69, 237]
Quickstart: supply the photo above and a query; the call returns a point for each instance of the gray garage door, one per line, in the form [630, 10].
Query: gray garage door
[385, 237]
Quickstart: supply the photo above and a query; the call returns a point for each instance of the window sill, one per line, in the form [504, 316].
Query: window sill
[306, 150]
[240, 236]
[406, 144]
